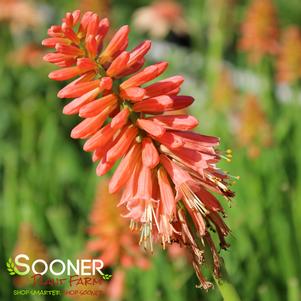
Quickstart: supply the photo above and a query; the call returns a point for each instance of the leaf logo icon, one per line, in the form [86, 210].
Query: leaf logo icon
[12, 270]
[106, 276]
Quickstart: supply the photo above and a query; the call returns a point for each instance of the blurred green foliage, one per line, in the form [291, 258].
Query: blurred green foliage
[49, 182]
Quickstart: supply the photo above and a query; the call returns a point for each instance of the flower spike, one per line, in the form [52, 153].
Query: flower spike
[167, 173]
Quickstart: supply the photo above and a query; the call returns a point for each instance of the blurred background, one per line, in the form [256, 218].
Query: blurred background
[241, 61]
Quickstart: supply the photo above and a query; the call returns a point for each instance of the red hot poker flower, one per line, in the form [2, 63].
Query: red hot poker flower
[289, 59]
[110, 240]
[260, 30]
[167, 173]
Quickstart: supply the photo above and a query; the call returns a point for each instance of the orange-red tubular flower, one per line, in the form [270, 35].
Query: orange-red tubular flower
[110, 238]
[167, 174]
[260, 31]
[289, 60]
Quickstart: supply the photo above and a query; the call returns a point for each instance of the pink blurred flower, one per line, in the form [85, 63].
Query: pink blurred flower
[28, 243]
[20, 14]
[115, 288]
[27, 55]
[161, 17]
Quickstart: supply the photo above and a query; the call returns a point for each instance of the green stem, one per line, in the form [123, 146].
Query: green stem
[227, 290]
[267, 88]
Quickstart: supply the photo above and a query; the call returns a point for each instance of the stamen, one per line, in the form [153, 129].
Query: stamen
[217, 181]
[191, 197]
[227, 157]
[133, 225]
[146, 228]
[155, 218]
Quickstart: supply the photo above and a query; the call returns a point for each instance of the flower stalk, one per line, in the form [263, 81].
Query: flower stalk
[168, 175]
